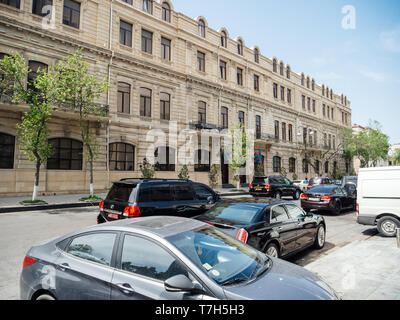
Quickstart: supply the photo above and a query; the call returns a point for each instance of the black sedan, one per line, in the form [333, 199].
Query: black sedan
[277, 228]
[330, 198]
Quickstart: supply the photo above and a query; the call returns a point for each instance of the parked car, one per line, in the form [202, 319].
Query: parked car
[277, 228]
[337, 182]
[318, 181]
[329, 198]
[379, 199]
[132, 198]
[350, 179]
[302, 184]
[161, 258]
[274, 187]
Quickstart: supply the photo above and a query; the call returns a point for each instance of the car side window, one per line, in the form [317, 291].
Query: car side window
[94, 247]
[183, 192]
[294, 211]
[287, 182]
[156, 193]
[278, 214]
[159, 265]
[201, 192]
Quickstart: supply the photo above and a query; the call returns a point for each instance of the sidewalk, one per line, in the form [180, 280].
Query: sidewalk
[12, 204]
[363, 270]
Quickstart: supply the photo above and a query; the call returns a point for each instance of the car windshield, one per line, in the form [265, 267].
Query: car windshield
[322, 190]
[223, 258]
[238, 212]
[315, 181]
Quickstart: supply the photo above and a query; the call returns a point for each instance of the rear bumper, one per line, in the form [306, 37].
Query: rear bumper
[366, 220]
[103, 217]
[316, 205]
[260, 194]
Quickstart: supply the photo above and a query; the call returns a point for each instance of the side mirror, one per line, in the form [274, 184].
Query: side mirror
[180, 283]
[210, 200]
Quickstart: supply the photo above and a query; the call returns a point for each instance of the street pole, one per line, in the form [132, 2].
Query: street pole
[398, 238]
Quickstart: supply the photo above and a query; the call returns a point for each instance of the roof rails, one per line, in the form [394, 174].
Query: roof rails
[154, 179]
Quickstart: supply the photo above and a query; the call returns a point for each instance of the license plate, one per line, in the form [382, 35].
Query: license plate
[314, 199]
[113, 216]
[258, 189]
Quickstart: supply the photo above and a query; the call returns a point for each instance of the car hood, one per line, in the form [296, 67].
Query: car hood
[284, 281]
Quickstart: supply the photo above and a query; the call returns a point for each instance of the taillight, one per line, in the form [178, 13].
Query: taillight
[28, 261]
[250, 186]
[267, 186]
[101, 205]
[303, 196]
[358, 209]
[326, 198]
[132, 212]
[242, 235]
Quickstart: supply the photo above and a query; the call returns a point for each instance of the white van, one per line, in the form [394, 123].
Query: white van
[378, 199]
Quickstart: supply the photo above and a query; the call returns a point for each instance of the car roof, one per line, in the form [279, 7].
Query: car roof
[260, 202]
[162, 226]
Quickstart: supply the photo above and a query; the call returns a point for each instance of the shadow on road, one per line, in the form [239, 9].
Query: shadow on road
[307, 256]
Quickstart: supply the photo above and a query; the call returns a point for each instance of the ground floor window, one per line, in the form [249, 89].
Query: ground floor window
[7, 146]
[66, 155]
[277, 164]
[292, 165]
[164, 159]
[202, 161]
[122, 157]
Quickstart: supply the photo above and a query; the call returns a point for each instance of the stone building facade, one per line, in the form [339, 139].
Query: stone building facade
[163, 67]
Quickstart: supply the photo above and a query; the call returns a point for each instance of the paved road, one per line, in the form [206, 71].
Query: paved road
[19, 231]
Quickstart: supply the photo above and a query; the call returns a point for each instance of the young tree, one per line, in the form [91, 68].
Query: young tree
[184, 173]
[396, 157]
[147, 169]
[213, 176]
[79, 89]
[33, 132]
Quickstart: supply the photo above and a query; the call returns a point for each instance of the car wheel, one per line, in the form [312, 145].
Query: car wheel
[387, 226]
[45, 297]
[320, 237]
[278, 195]
[296, 195]
[337, 209]
[272, 250]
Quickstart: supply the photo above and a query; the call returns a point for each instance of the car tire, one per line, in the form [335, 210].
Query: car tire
[272, 250]
[387, 226]
[337, 209]
[296, 195]
[278, 195]
[45, 297]
[320, 237]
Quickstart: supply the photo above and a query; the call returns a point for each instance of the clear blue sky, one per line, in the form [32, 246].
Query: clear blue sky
[363, 63]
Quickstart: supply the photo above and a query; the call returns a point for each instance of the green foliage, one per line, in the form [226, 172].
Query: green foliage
[240, 143]
[295, 176]
[283, 172]
[147, 169]
[259, 170]
[184, 173]
[396, 157]
[213, 176]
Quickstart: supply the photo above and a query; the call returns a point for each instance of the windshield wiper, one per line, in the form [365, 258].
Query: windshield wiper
[235, 281]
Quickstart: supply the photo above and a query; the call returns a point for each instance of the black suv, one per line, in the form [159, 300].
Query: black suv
[131, 198]
[274, 187]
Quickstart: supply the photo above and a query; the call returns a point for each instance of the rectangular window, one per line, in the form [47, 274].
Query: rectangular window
[290, 133]
[303, 102]
[276, 125]
[147, 41]
[323, 110]
[241, 118]
[282, 93]
[201, 61]
[258, 127]
[71, 13]
[283, 131]
[239, 76]
[309, 104]
[12, 3]
[289, 96]
[124, 98]
[145, 102]
[165, 106]
[41, 7]
[222, 69]
[305, 134]
[166, 49]
[275, 91]
[313, 106]
[202, 112]
[256, 82]
[224, 117]
[125, 33]
[148, 6]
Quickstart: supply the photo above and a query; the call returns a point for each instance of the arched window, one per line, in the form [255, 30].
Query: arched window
[66, 154]
[145, 102]
[302, 79]
[331, 93]
[202, 161]
[121, 157]
[224, 39]
[313, 84]
[323, 90]
[166, 12]
[202, 28]
[275, 65]
[124, 97]
[7, 147]
[256, 55]
[164, 158]
[288, 72]
[240, 47]
[308, 82]
[277, 162]
[281, 68]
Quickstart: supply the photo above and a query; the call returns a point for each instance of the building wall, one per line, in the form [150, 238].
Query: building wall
[27, 34]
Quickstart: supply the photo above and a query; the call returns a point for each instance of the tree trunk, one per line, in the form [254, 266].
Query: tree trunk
[91, 178]
[36, 185]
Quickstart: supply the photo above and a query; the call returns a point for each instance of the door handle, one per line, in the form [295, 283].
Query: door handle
[125, 288]
[64, 266]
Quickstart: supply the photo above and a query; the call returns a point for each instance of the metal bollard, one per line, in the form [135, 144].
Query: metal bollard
[398, 237]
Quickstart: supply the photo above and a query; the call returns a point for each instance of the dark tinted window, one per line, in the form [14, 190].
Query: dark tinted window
[159, 265]
[120, 192]
[157, 193]
[97, 247]
[278, 214]
[294, 211]
[7, 146]
[258, 180]
[201, 192]
[66, 154]
[183, 192]
[71, 13]
[323, 190]
[241, 213]
[42, 7]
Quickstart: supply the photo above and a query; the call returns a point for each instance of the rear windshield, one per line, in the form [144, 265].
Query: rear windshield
[322, 190]
[120, 192]
[259, 180]
[316, 181]
[241, 213]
